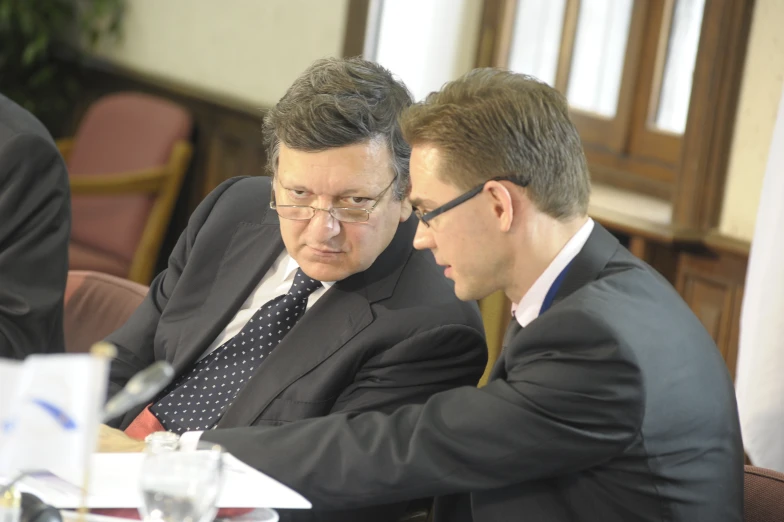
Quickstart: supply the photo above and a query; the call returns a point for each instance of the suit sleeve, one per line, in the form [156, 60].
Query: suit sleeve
[35, 226]
[411, 371]
[565, 406]
[135, 339]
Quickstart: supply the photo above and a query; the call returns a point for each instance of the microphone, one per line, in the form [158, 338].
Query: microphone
[140, 388]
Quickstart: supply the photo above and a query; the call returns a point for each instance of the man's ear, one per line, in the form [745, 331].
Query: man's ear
[405, 208]
[405, 204]
[503, 206]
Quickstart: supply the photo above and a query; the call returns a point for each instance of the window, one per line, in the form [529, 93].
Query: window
[425, 43]
[645, 80]
[673, 102]
[596, 70]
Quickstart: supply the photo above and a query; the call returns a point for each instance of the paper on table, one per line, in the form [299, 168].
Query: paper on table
[114, 483]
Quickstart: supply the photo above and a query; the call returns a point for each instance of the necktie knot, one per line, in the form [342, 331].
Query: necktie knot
[303, 285]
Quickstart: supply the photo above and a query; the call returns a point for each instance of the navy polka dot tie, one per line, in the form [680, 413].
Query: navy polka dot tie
[197, 400]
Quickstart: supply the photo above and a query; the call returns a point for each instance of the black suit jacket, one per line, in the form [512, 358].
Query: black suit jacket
[35, 225]
[391, 335]
[612, 406]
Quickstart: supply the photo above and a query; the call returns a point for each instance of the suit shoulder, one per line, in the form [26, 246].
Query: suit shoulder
[627, 305]
[241, 188]
[245, 190]
[244, 198]
[28, 160]
[16, 121]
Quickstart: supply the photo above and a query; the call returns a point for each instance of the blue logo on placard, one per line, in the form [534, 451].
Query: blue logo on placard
[57, 413]
[54, 411]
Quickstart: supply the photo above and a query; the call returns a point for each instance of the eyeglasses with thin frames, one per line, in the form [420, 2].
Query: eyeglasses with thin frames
[427, 217]
[342, 214]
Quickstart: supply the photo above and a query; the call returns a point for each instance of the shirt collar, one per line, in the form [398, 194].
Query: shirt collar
[291, 270]
[528, 308]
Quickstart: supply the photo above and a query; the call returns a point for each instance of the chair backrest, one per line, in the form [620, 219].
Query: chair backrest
[97, 304]
[121, 133]
[763, 495]
[496, 314]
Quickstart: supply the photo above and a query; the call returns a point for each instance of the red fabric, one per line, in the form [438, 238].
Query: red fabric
[81, 257]
[96, 305]
[121, 133]
[144, 424]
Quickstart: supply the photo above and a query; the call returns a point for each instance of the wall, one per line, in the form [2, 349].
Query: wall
[247, 50]
[761, 89]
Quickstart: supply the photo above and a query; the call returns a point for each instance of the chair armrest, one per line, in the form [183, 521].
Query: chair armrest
[65, 146]
[141, 182]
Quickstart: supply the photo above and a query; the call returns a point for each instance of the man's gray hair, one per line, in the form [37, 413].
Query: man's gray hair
[340, 102]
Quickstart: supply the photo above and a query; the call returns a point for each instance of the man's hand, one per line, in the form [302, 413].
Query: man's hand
[111, 440]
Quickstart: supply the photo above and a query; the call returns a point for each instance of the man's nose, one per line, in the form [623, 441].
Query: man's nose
[323, 225]
[423, 239]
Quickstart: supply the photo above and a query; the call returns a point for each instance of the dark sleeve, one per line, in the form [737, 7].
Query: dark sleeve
[409, 372]
[35, 226]
[565, 406]
[135, 339]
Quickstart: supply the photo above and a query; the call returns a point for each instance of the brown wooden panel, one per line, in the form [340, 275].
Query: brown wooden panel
[495, 36]
[710, 301]
[236, 148]
[356, 23]
[712, 285]
[714, 99]
[731, 353]
[628, 173]
[664, 259]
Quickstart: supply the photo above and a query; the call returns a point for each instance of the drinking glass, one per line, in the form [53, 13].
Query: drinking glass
[181, 485]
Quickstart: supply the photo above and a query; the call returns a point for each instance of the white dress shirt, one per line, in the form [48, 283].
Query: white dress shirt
[277, 281]
[529, 306]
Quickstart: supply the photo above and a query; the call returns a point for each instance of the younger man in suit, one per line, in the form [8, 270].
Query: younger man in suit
[610, 402]
[35, 224]
[300, 295]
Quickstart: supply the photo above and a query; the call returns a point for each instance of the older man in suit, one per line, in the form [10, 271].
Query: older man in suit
[610, 401]
[35, 224]
[300, 295]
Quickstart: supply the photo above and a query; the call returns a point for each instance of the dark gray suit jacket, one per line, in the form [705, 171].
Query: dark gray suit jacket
[612, 406]
[394, 334]
[35, 225]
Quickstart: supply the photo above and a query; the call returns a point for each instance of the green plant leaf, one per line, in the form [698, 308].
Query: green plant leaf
[37, 67]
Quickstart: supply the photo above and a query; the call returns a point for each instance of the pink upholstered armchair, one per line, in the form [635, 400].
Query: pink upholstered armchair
[126, 165]
[96, 305]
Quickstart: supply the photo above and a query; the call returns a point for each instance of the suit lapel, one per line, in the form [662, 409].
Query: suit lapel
[339, 315]
[251, 252]
[589, 262]
[586, 267]
[326, 327]
[499, 369]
